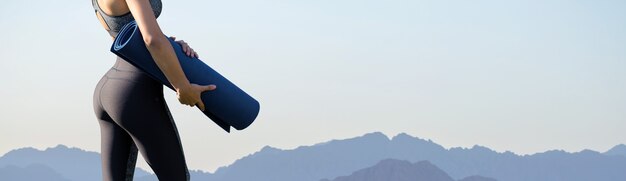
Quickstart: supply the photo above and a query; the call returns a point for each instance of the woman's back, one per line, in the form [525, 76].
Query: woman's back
[113, 14]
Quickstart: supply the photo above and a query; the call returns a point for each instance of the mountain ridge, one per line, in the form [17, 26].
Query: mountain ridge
[466, 161]
[343, 156]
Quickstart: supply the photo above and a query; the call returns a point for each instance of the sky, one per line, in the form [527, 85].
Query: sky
[525, 76]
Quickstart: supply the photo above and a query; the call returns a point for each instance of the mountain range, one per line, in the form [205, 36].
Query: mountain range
[342, 157]
[337, 159]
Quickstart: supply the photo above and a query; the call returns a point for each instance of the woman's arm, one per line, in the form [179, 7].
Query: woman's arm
[163, 54]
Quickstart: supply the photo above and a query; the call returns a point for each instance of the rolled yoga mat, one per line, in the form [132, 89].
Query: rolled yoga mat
[227, 105]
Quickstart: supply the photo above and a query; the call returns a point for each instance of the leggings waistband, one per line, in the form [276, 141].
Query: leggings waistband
[123, 65]
[123, 70]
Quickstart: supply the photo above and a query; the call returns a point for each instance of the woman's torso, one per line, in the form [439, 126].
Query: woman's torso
[122, 70]
[113, 23]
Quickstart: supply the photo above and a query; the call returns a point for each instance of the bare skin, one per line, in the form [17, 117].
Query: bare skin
[159, 47]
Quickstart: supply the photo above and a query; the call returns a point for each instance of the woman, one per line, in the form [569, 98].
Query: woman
[129, 104]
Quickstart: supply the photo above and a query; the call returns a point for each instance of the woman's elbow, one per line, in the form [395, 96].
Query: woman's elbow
[154, 42]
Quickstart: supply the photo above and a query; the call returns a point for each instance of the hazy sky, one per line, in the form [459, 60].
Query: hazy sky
[525, 75]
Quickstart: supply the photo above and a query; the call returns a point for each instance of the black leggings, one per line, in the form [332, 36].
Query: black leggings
[133, 116]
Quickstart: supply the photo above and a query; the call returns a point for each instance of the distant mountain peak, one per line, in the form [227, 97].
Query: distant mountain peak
[405, 136]
[587, 151]
[61, 146]
[398, 170]
[402, 170]
[620, 146]
[270, 149]
[617, 150]
[481, 148]
[375, 135]
[555, 151]
[475, 148]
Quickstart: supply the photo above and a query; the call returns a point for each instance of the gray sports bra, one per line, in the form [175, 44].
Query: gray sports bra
[115, 23]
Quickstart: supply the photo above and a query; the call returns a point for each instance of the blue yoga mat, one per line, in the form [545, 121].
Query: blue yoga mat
[227, 105]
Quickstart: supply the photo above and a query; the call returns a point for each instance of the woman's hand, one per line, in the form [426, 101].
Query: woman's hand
[186, 48]
[191, 95]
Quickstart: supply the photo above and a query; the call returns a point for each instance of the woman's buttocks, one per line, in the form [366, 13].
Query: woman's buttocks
[125, 84]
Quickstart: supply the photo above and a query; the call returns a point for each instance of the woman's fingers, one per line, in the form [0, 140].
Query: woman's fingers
[209, 87]
[200, 105]
[183, 45]
[186, 48]
[184, 101]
